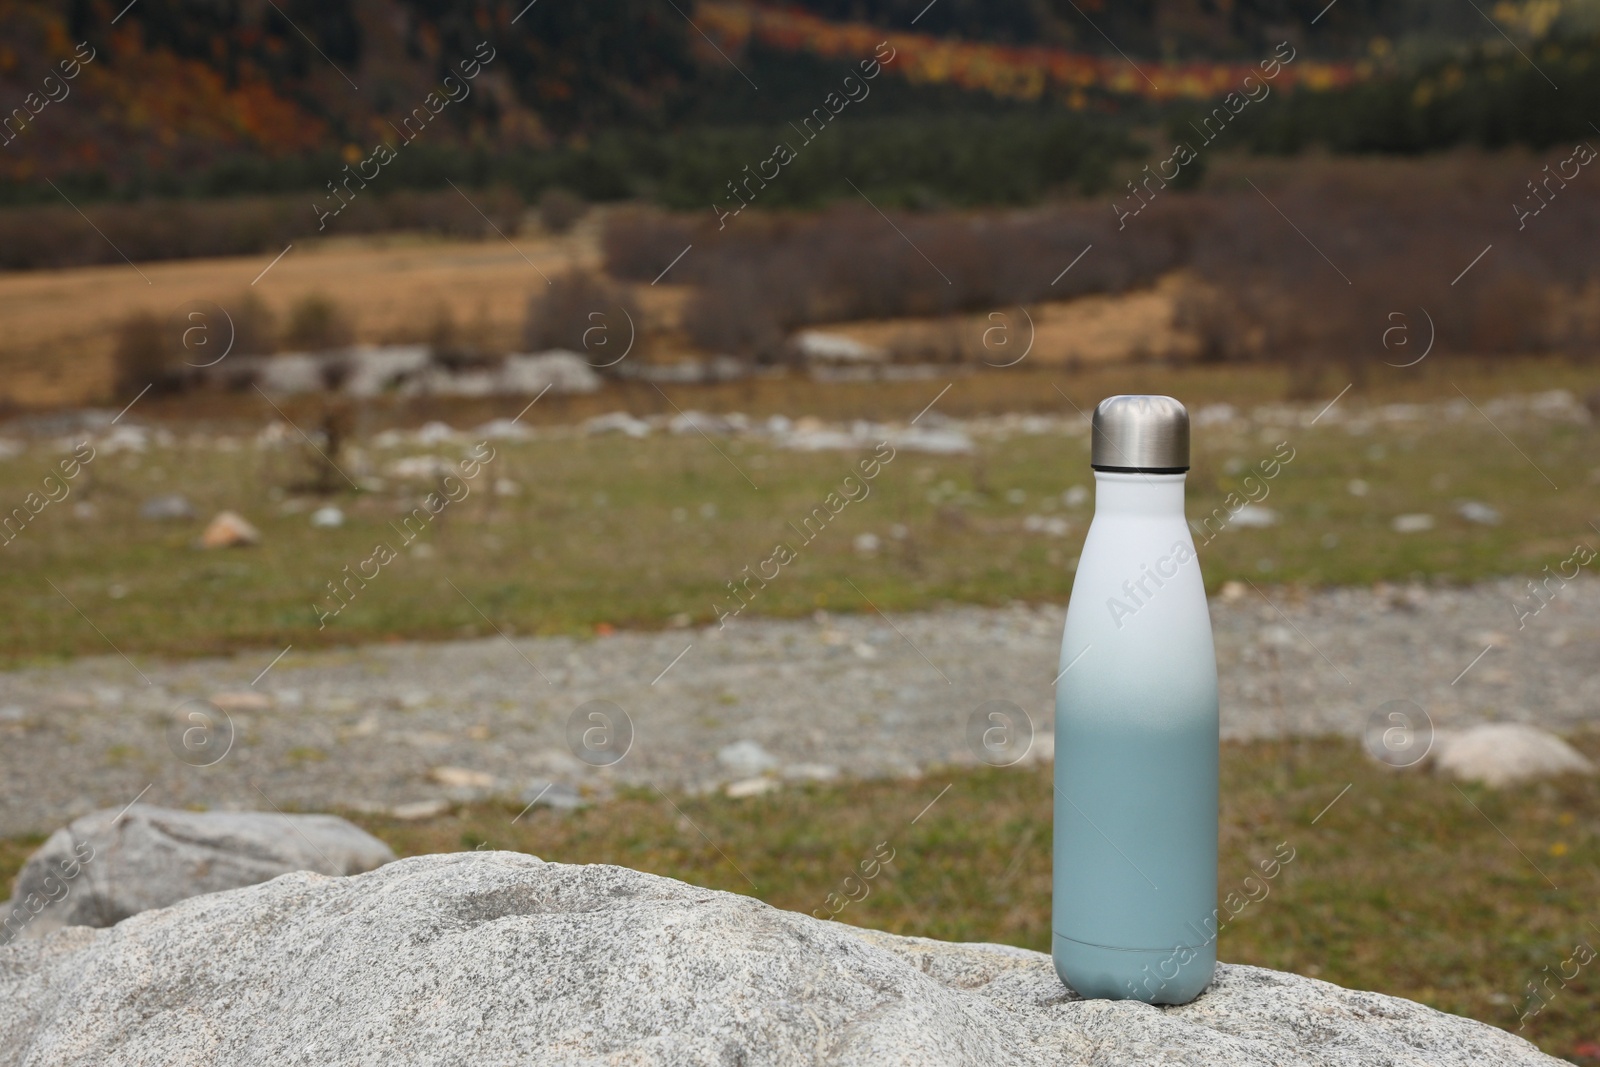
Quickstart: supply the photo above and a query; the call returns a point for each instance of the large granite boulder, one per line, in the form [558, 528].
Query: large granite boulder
[499, 958]
[109, 865]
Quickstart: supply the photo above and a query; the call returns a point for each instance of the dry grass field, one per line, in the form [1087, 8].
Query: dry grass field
[59, 324]
[57, 347]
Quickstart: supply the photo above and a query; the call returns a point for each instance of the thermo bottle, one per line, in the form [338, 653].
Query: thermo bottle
[1135, 866]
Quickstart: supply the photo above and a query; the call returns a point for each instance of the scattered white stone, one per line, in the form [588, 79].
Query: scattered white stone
[1075, 496]
[558, 370]
[241, 700]
[327, 517]
[746, 758]
[866, 544]
[558, 795]
[373, 370]
[418, 810]
[421, 467]
[1482, 514]
[124, 439]
[836, 348]
[1415, 523]
[1215, 415]
[1276, 637]
[617, 422]
[1254, 517]
[811, 772]
[1051, 525]
[290, 372]
[462, 778]
[502, 430]
[1504, 753]
[167, 507]
[752, 787]
[948, 442]
[1357, 487]
[435, 433]
[804, 438]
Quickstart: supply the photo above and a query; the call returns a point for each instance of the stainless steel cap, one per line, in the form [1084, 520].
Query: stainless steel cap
[1148, 434]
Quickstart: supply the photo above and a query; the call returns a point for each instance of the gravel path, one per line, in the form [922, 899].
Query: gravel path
[415, 725]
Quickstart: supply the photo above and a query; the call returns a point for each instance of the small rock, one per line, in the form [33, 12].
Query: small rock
[866, 544]
[617, 422]
[1416, 523]
[1254, 517]
[241, 700]
[116, 863]
[417, 810]
[936, 442]
[1277, 637]
[229, 530]
[836, 348]
[1482, 514]
[167, 507]
[1357, 487]
[1233, 591]
[812, 772]
[746, 758]
[435, 433]
[752, 787]
[1503, 753]
[462, 778]
[327, 517]
[558, 795]
[1075, 496]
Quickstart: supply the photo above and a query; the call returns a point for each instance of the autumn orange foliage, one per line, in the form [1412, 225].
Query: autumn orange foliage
[1013, 72]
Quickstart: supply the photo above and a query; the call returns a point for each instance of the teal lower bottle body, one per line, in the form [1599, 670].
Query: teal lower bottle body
[1173, 975]
[1135, 856]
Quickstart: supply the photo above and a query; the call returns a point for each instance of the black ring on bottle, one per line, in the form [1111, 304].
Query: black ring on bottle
[1140, 470]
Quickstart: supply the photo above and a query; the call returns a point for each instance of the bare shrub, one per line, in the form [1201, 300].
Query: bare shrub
[317, 323]
[1312, 267]
[769, 274]
[255, 327]
[146, 355]
[735, 317]
[639, 243]
[585, 313]
[560, 210]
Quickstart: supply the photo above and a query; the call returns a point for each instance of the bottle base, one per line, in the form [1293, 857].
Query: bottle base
[1160, 976]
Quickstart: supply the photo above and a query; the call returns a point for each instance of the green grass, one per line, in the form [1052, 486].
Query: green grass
[1402, 886]
[608, 531]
